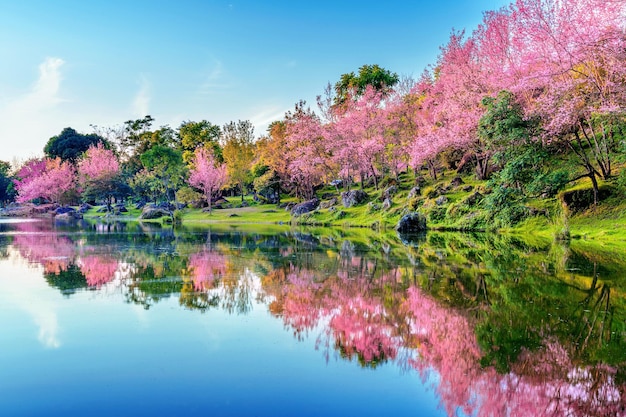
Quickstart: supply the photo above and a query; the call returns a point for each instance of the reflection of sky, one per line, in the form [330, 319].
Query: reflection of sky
[172, 361]
[25, 292]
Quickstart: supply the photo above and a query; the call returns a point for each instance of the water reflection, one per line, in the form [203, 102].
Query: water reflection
[506, 327]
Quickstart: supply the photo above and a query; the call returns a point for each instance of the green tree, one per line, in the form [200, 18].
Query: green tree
[196, 134]
[238, 152]
[166, 164]
[70, 145]
[7, 192]
[373, 75]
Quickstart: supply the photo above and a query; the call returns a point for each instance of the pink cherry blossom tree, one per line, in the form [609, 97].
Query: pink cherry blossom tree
[307, 149]
[206, 174]
[49, 182]
[99, 174]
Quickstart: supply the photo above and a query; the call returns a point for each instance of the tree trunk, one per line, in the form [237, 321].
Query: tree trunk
[594, 182]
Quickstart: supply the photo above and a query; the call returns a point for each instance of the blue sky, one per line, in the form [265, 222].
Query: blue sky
[76, 63]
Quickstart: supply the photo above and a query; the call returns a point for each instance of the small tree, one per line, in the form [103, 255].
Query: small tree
[100, 176]
[48, 179]
[206, 174]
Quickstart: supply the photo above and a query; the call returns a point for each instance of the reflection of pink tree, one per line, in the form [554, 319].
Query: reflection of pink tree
[358, 323]
[542, 383]
[361, 326]
[98, 269]
[52, 251]
[206, 268]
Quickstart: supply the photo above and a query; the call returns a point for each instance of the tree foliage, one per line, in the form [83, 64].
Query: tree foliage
[353, 85]
[238, 152]
[206, 173]
[70, 145]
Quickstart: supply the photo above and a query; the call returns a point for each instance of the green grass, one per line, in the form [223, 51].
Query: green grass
[603, 226]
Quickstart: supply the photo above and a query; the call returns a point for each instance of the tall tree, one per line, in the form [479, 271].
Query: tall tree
[7, 191]
[100, 175]
[69, 145]
[206, 173]
[167, 166]
[48, 179]
[197, 134]
[238, 152]
[351, 84]
[307, 150]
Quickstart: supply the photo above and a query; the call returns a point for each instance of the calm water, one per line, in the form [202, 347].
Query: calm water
[119, 320]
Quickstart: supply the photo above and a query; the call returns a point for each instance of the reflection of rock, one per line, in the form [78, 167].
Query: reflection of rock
[306, 238]
[353, 198]
[347, 249]
[306, 207]
[413, 240]
[411, 223]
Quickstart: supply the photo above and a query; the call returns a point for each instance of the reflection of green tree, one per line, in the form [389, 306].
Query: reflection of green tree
[67, 280]
[518, 293]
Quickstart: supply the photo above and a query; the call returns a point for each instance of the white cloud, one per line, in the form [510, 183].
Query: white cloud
[214, 80]
[263, 118]
[141, 102]
[28, 120]
[30, 296]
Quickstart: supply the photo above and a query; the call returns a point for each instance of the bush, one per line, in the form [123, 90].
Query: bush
[415, 203]
[437, 214]
[187, 195]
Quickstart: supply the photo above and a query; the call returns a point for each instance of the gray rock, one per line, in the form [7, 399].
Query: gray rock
[329, 203]
[456, 181]
[473, 198]
[411, 223]
[69, 215]
[305, 207]
[386, 204]
[353, 198]
[441, 200]
[415, 192]
[149, 213]
[390, 192]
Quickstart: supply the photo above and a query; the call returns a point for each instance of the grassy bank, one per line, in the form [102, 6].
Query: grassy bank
[449, 203]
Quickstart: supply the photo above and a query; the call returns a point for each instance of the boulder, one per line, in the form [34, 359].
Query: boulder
[441, 200]
[386, 204]
[390, 192]
[329, 203]
[473, 198]
[415, 192]
[83, 208]
[353, 198]
[411, 223]
[456, 181]
[149, 212]
[305, 207]
[71, 215]
[373, 207]
[468, 188]
[63, 210]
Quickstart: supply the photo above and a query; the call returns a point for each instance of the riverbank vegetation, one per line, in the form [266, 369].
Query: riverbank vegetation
[519, 125]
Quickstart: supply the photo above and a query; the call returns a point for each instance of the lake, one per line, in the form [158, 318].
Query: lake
[119, 319]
